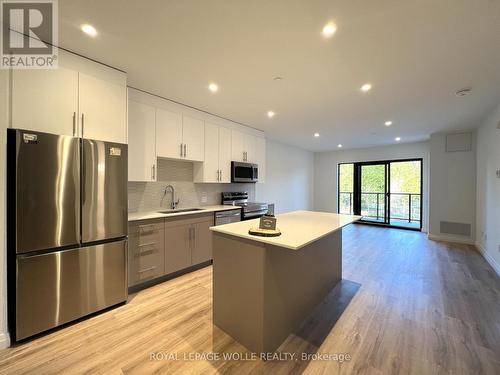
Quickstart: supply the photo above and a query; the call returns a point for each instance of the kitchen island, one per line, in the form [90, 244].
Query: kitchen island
[264, 287]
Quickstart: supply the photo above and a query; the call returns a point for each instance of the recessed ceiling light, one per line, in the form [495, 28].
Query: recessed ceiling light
[89, 30]
[213, 87]
[329, 29]
[339, 145]
[388, 123]
[366, 87]
[397, 139]
[270, 114]
[316, 135]
[278, 78]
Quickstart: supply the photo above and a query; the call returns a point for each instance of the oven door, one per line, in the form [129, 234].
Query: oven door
[243, 172]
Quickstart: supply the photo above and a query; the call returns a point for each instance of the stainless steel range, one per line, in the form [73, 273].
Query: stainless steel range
[250, 210]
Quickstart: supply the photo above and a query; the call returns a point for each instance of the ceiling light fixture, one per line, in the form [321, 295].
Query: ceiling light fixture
[366, 87]
[329, 29]
[213, 87]
[339, 145]
[316, 135]
[270, 114]
[89, 30]
[388, 123]
[397, 139]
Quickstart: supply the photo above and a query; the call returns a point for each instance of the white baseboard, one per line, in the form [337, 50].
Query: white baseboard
[492, 262]
[4, 340]
[440, 237]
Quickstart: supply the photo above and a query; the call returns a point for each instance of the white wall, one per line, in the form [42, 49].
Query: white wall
[488, 189]
[452, 191]
[325, 170]
[289, 178]
[4, 117]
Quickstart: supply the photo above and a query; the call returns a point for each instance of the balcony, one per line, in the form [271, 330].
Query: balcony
[405, 208]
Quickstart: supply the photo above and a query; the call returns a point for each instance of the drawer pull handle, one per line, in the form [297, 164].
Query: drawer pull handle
[142, 253]
[148, 244]
[148, 269]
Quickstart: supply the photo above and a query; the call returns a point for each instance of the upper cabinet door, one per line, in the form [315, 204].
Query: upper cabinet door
[249, 142]
[211, 171]
[260, 158]
[103, 109]
[45, 100]
[168, 134]
[238, 146]
[224, 154]
[142, 142]
[193, 137]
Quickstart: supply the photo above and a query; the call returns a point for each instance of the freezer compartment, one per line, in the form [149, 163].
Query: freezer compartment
[104, 190]
[56, 288]
[43, 190]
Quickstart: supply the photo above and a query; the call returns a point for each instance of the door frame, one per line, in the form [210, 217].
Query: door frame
[356, 199]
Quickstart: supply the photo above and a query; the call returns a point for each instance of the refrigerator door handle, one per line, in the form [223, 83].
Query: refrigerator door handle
[74, 124]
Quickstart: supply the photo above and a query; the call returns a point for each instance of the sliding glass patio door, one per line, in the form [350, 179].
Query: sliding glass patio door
[383, 192]
[371, 192]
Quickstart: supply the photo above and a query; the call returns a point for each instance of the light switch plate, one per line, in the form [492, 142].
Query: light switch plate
[204, 197]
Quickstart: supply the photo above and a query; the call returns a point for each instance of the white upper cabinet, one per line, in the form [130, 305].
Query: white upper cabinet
[260, 158]
[80, 98]
[225, 154]
[193, 138]
[250, 145]
[243, 147]
[168, 134]
[103, 109]
[178, 136]
[217, 164]
[238, 146]
[142, 142]
[210, 169]
[45, 100]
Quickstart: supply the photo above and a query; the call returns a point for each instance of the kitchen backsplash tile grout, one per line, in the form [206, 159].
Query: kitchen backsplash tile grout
[148, 196]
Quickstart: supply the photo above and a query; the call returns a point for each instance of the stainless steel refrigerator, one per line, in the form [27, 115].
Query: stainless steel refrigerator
[66, 229]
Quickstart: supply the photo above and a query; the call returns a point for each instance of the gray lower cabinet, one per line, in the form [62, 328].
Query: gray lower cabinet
[159, 247]
[146, 251]
[201, 250]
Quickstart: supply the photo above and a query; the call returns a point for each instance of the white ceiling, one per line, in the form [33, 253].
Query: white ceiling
[415, 53]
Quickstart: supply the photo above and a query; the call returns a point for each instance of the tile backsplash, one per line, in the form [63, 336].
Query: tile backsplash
[148, 196]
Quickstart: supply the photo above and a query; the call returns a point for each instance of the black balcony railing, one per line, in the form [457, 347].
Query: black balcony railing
[404, 206]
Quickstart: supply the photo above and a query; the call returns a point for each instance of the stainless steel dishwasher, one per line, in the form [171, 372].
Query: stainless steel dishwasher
[226, 217]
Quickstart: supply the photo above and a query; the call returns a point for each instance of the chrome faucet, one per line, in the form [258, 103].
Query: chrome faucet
[173, 202]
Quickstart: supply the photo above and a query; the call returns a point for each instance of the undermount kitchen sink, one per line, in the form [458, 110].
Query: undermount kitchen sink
[180, 210]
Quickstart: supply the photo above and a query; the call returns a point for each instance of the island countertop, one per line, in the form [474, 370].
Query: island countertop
[298, 228]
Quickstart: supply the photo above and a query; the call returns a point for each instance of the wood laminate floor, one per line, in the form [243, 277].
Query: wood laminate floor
[407, 305]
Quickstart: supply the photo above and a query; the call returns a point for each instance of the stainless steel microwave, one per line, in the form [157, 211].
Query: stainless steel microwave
[244, 172]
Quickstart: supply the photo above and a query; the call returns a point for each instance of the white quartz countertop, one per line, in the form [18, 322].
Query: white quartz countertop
[135, 216]
[298, 228]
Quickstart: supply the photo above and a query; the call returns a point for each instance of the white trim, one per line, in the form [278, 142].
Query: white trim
[438, 237]
[492, 262]
[4, 340]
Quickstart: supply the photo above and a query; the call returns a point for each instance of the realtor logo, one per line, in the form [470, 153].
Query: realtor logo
[29, 34]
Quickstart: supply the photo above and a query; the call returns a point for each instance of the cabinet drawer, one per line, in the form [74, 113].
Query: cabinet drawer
[147, 232]
[145, 263]
[146, 255]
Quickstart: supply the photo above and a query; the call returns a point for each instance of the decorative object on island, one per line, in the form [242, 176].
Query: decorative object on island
[267, 227]
[267, 221]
